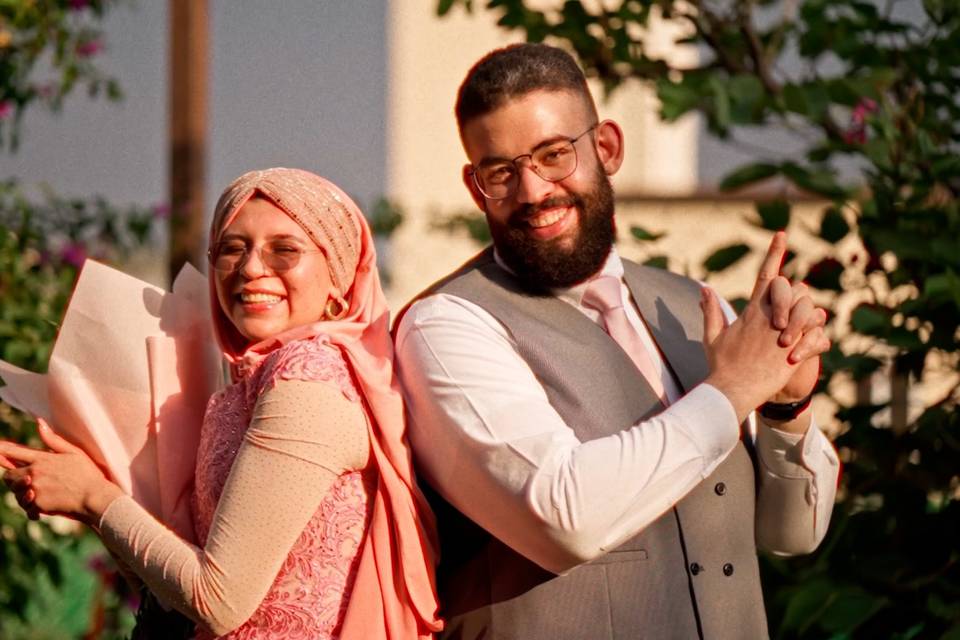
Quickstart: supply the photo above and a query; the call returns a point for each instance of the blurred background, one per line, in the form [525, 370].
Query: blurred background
[121, 121]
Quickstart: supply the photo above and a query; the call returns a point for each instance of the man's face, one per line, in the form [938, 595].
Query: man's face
[551, 234]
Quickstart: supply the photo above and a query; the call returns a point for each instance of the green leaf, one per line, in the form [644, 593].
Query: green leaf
[910, 633]
[869, 321]
[825, 275]
[833, 226]
[747, 97]
[748, 175]
[385, 217]
[774, 214]
[643, 235]
[806, 604]
[939, 608]
[676, 99]
[114, 92]
[739, 304]
[794, 99]
[942, 287]
[946, 167]
[816, 181]
[842, 91]
[903, 338]
[658, 262]
[721, 104]
[859, 366]
[850, 608]
[725, 257]
[444, 6]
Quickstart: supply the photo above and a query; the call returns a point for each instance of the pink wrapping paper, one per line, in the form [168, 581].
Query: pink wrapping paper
[128, 381]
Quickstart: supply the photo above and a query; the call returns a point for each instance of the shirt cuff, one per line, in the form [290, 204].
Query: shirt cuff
[786, 454]
[710, 421]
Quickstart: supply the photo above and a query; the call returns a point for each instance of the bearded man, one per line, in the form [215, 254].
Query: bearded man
[587, 424]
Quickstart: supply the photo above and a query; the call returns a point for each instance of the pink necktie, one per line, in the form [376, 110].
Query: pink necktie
[603, 294]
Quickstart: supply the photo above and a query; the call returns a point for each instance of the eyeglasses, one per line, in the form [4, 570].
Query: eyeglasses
[278, 256]
[553, 162]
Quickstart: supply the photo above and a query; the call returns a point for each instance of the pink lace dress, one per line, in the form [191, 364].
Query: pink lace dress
[309, 596]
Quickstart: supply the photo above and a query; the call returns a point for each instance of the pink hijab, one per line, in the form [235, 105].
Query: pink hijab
[394, 595]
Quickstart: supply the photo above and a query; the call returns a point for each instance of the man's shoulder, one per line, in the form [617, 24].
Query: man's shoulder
[647, 273]
[478, 261]
[659, 279]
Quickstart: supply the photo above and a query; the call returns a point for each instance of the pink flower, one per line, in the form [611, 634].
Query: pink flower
[857, 132]
[46, 91]
[161, 211]
[865, 107]
[98, 564]
[77, 5]
[6, 108]
[89, 48]
[74, 254]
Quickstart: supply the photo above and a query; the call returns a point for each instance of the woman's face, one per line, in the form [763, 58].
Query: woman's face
[263, 300]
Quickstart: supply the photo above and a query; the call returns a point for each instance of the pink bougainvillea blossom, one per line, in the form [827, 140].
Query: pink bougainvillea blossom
[857, 132]
[74, 254]
[89, 48]
[77, 5]
[46, 91]
[6, 109]
[161, 211]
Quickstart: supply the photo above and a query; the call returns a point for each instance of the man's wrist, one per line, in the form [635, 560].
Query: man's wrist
[784, 411]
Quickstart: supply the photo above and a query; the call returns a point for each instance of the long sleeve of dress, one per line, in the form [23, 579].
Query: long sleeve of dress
[302, 436]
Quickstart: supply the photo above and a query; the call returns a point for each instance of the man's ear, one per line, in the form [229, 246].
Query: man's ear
[609, 140]
[467, 176]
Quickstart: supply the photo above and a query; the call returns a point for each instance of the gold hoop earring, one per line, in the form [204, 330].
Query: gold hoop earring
[335, 308]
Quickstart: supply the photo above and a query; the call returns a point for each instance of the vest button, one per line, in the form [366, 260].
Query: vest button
[695, 568]
[728, 569]
[720, 488]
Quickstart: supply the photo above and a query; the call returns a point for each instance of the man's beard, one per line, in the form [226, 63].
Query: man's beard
[548, 264]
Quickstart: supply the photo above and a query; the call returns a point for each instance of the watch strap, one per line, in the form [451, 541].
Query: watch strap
[784, 411]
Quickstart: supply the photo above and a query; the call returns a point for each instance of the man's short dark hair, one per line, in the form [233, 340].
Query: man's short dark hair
[514, 71]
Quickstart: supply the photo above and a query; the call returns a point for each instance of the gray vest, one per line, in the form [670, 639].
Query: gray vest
[692, 573]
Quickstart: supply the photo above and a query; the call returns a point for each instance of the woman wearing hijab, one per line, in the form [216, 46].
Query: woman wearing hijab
[308, 520]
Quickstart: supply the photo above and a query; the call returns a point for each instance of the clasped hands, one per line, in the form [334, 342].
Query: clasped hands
[63, 480]
[771, 352]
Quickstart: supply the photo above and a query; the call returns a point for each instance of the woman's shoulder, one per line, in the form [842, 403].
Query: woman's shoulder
[313, 359]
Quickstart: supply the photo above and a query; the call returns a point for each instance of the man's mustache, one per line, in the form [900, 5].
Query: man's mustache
[526, 211]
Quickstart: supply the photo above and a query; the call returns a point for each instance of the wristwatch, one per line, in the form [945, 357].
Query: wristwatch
[784, 411]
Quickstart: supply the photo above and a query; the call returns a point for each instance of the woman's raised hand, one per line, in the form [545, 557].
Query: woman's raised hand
[61, 481]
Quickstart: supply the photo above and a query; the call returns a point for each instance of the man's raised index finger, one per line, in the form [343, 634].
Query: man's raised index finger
[770, 268]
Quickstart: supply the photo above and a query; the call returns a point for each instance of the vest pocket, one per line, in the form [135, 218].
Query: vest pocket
[622, 555]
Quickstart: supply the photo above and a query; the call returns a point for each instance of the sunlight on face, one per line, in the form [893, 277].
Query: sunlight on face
[260, 299]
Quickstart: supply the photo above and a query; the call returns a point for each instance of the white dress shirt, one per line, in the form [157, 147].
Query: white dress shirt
[488, 440]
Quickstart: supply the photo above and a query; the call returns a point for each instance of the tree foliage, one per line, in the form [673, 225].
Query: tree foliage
[43, 565]
[55, 578]
[872, 85]
[47, 49]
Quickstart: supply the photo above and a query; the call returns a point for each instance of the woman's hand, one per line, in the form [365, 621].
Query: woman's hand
[62, 481]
